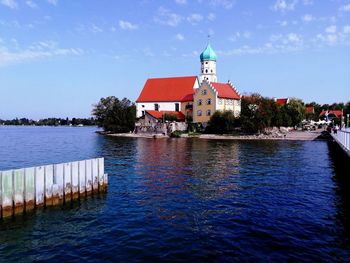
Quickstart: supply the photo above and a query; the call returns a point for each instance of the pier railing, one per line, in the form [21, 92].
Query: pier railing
[342, 137]
[24, 189]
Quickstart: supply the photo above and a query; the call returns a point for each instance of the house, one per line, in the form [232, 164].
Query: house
[309, 110]
[196, 98]
[167, 94]
[281, 101]
[331, 114]
[213, 96]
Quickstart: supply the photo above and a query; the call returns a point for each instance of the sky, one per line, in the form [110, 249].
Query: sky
[59, 57]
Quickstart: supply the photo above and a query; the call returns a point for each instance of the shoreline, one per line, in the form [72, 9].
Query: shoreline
[290, 136]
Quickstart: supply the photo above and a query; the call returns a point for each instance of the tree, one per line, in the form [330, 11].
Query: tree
[222, 122]
[115, 115]
[296, 110]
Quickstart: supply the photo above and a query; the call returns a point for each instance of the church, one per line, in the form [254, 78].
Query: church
[189, 97]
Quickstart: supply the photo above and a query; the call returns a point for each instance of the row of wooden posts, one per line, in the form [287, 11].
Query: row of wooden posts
[24, 189]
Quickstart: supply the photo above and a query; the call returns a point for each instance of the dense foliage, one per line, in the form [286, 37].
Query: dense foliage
[115, 115]
[50, 122]
[222, 122]
[258, 113]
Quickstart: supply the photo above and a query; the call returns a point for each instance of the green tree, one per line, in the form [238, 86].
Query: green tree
[222, 122]
[296, 111]
[115, 115]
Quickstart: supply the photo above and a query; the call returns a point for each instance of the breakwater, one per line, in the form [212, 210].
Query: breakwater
[24, 189]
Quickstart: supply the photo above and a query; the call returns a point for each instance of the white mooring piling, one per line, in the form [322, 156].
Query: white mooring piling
[24, 189]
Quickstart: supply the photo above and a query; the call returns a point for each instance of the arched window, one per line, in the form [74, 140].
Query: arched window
[200, 102]
[202, 71]
[204, 92]
[199, 113]
[208, 112]
[208, 101]
[211, 71]
[206, 71]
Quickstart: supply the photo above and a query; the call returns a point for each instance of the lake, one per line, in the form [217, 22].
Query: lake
[183, 200]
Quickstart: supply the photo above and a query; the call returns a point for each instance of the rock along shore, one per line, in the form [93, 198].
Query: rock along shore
[291, 136]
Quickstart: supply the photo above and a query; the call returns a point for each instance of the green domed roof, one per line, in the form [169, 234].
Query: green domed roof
[208, 54]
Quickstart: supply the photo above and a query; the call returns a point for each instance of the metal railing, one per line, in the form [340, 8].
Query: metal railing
[343, 139]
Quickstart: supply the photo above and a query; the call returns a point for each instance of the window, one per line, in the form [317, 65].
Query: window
[206, 71]
[143, 106]
[156, 106]
[211, 71]
[220, 101]
[206, 62]
[199, 113]
[143, 113]
[176, 106]
[200, 102]
[202, 71]
[204, 92]
[208, 101]
[208, 112]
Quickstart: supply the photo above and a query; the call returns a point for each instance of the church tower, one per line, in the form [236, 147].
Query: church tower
[208, 65]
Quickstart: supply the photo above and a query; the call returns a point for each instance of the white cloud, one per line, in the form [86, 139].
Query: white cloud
[166, 17]
[307, 18]
[31, 4]
[95, 29]
[227, 4]
[180, 37]
[9, 3]
[38, 50]
[211, 16]
[346, 29]
[330, 39]
[125, 25]
[148, 52]
[284, 5]
[52, 2]
[308, 2]
[194, 18]
[240, 35]
[181, 2]
[293, 38]
[283, 23]
[331, 29]
[345, 8]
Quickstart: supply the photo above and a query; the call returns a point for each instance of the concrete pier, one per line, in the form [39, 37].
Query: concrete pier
[22, 190]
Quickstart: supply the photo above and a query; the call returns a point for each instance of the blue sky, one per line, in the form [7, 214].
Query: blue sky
[58, 57]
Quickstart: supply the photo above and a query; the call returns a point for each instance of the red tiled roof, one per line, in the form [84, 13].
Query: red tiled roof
[282, 101]
[168, 89]
[309, 109]
[159, 114]
[337, 113]
[225, 91]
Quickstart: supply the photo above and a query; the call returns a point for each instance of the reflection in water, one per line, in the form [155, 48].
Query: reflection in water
[185, 200]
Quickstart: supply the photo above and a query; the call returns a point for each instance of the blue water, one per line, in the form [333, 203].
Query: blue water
[183, 200]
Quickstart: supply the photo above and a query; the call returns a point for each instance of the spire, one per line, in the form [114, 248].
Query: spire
[208, 53]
